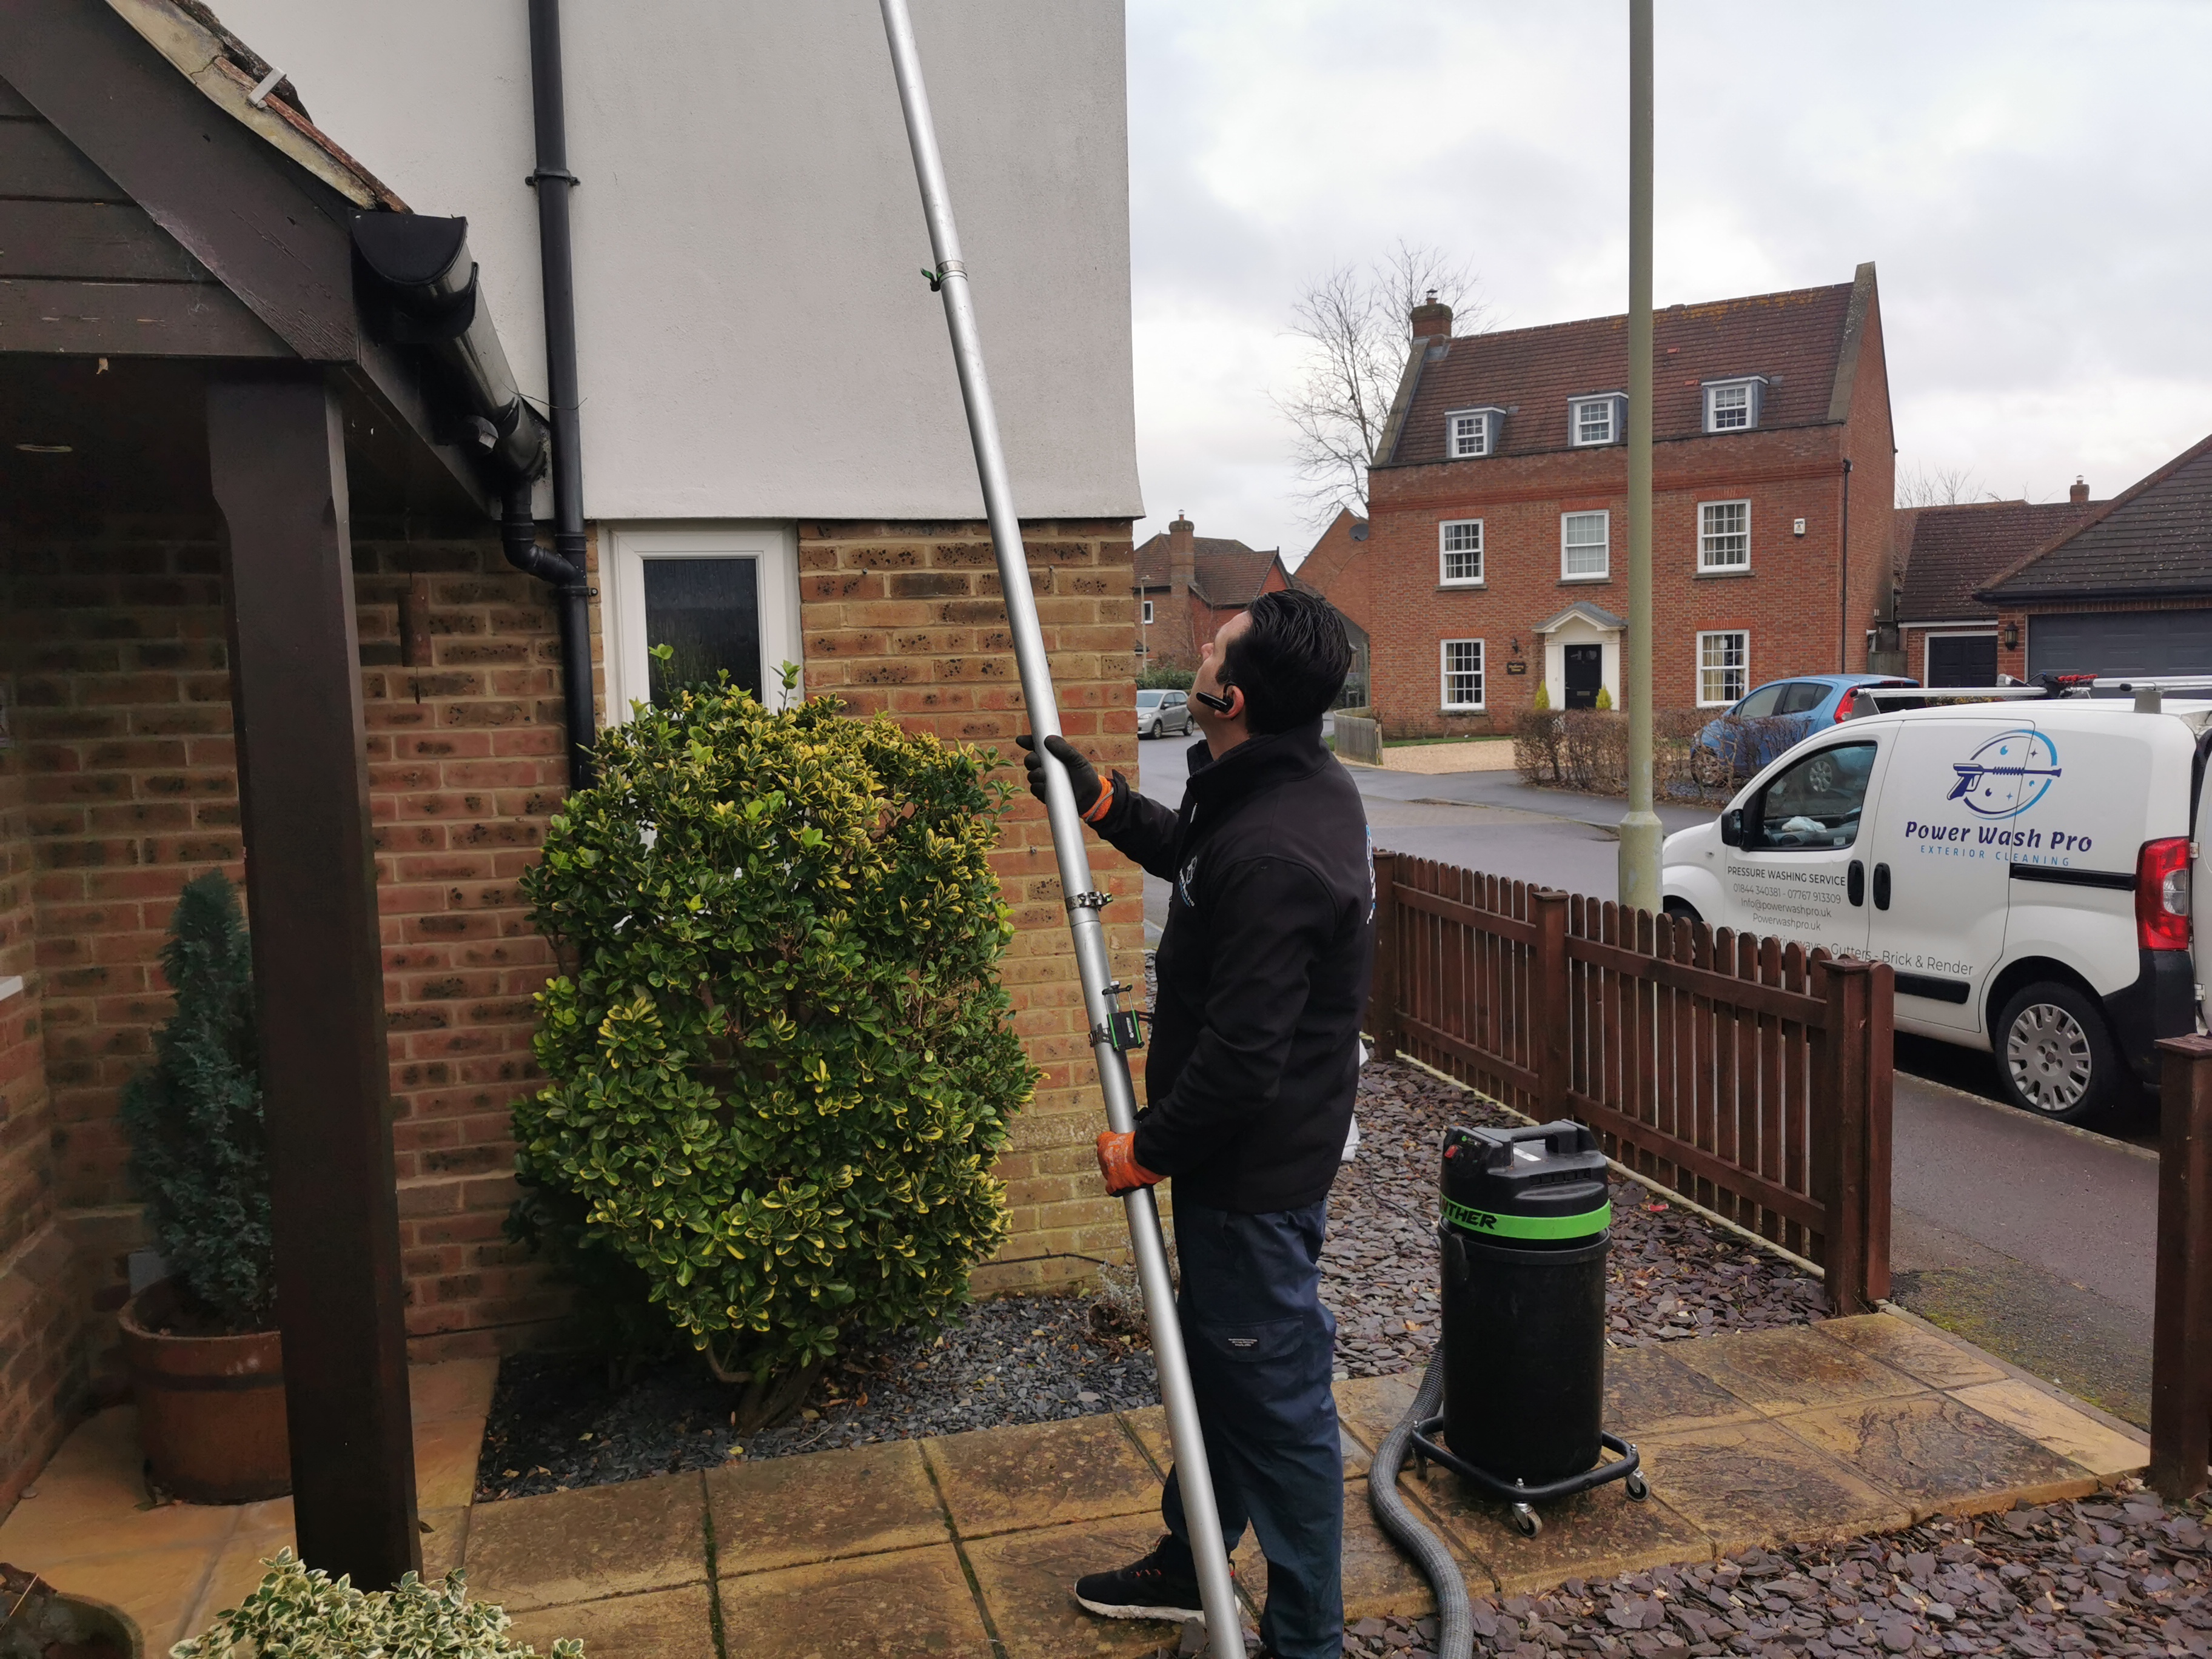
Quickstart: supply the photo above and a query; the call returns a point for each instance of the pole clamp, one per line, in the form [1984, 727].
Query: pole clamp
[1089, 901]
[950, 268]
[1124, 1031]
[566, 176]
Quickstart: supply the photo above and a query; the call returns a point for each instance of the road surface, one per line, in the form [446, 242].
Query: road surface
[2031, 1240]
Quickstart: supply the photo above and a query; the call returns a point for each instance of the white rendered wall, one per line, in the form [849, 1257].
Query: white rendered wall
[755, 337]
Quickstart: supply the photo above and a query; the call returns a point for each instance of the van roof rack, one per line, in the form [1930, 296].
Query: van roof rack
[2042, 687]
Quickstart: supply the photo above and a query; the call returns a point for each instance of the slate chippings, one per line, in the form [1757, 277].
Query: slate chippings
[2119, 1574]
[558, 1420]
[1672, 1274]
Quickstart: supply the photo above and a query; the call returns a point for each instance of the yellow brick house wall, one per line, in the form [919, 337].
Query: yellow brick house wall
[909, 619]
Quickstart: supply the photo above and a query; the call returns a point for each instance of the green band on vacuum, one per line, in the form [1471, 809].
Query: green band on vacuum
[1529, 1226]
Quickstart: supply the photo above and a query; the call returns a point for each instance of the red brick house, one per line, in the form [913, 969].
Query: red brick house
[1497, 549]
[1947, 634]
[2127, 590]
[1187, 585]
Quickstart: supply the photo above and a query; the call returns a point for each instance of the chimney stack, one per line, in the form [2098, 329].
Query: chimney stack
[1183, 557]
[1432, 321]
[2079, 493]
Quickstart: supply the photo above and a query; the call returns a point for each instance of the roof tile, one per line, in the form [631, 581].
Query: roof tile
[2154, 539]
[1794, 339]
[1956, 551]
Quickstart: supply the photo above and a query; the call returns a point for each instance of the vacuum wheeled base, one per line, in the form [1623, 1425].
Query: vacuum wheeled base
[1625, 1467]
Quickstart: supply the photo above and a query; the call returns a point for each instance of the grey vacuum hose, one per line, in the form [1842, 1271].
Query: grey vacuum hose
[1455, 1637]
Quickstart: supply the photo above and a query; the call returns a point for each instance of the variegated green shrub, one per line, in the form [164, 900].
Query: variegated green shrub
[302, 1613]
[779, 1056]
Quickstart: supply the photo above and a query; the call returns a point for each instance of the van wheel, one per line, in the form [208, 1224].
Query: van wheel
[1684, 908]
[2055, 1054]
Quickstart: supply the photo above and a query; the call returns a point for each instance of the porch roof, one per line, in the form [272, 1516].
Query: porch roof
[1582, 610]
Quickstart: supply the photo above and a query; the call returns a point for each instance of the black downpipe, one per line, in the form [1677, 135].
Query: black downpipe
[553, 182]
[1842, 604]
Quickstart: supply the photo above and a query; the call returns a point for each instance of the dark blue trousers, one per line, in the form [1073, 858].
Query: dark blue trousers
[1261, 1351]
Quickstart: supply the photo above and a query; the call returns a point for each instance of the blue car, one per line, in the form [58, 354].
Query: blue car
[1775, 717]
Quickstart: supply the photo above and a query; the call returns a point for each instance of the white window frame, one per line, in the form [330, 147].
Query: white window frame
[1742, 668]
[1444, 677]
[774, 547]
[1614, 421]
[1486, 420]
[1707, 536]
[1750, 386]
[1604, 575]
[1148, 613]
[1445, 551]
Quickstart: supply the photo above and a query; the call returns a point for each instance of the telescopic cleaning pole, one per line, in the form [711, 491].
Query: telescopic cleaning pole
[1225, 1631]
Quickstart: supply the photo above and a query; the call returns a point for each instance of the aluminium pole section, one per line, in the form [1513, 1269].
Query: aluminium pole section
[1224, 1631]
[1641, 832]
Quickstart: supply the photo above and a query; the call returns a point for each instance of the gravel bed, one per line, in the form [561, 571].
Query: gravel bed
[562, 1420]
[2117, 1574]
[1673, 1274]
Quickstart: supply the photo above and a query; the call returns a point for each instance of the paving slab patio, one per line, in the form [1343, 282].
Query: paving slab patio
[967, 1545]
[87, 1527]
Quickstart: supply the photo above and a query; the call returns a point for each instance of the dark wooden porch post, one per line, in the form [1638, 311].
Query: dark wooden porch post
[277, 459]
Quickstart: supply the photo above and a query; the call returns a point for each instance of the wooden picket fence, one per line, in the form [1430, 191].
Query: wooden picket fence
[1749, 1076]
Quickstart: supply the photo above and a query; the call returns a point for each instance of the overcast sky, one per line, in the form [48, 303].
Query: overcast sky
[2030, 180]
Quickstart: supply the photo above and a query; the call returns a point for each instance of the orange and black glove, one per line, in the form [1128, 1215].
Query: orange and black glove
[1117, 1162]
[1094, 795]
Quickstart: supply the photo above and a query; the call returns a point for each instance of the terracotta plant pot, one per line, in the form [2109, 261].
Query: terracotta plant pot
[210, 1409]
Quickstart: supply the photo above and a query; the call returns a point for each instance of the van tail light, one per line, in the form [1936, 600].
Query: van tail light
[2162, 895]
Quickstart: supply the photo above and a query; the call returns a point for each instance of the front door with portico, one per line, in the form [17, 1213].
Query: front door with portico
[1584, 669]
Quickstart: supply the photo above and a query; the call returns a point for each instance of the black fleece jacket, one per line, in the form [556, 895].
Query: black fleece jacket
[1263, 971]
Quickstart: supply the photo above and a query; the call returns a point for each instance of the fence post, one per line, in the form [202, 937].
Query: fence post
[1882, 1091]
[2181, 1323]
[1842, 1185]
[1382, 990]
[1554, 1063]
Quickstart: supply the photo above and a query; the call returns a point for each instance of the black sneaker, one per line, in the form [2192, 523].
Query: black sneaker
[1143, 1589]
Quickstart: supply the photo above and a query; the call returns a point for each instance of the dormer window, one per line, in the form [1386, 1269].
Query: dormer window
[1733, 405]
[1600, 420]
[1471, 432]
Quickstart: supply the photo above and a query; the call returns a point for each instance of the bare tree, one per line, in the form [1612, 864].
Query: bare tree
[1938, 486]
[1356, 325]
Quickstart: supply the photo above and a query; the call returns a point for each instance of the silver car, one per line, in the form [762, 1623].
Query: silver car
[1160, 712]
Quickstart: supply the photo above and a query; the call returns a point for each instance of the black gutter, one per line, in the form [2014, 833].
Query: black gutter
[553, 181]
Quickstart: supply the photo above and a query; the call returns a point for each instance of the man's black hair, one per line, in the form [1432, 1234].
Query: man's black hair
[1290, 662]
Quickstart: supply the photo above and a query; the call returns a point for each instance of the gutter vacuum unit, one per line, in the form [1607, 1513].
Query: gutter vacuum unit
[1112, 1031]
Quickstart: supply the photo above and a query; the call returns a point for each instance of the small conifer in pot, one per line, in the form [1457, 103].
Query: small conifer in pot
[199, 1155]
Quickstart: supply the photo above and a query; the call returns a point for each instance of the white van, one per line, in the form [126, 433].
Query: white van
[2025, 865]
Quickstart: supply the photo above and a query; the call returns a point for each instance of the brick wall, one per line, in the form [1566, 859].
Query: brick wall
[122, 786]
[124, 725]
[42, 1373]
[1341, 569]
[908, 619]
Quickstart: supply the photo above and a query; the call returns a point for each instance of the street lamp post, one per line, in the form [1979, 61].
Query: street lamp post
[1641, 831]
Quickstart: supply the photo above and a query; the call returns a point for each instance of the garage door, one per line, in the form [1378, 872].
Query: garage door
[1961, 659]
[2121, 643]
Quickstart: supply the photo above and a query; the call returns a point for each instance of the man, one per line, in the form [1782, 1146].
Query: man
[1263, 972]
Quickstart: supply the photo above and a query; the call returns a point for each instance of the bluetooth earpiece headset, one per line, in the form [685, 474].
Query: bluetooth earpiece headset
[1218, 705]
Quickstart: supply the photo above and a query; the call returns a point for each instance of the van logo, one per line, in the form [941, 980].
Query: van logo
[2026, 754]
